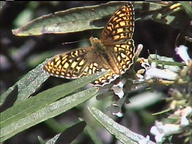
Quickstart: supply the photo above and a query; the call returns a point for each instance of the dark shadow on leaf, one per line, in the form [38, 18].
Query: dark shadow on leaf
[100, 23]
[71, 133]
[10, 100]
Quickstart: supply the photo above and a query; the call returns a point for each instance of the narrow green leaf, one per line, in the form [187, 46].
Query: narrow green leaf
[41, 141]
[93, 134]
[54, 139]
[48, 111]
[67, 21]
[42, 99]
[188, 7]
[120, 132]
[28, 84]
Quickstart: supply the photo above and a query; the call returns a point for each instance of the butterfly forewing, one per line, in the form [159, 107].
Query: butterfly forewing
[120, 27]
[114, 52]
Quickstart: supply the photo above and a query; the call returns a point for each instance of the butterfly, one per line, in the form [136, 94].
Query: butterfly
[114, 51]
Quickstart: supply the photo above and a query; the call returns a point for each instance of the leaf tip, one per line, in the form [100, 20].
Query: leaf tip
[19, 32]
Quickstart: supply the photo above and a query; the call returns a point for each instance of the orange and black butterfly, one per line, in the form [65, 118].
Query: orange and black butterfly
[114, 51]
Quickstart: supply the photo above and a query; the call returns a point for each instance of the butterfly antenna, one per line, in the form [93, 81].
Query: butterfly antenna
[72, 42]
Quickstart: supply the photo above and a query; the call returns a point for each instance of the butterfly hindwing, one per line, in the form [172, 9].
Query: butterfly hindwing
[124, 54]
[67, 65]
[75, 64]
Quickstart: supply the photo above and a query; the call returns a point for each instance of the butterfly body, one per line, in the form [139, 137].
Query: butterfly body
[114, 51]
[103, 54]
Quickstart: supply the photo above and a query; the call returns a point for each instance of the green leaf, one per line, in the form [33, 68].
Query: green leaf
[120, 132]
[83, 18]
[67, 21]
[27, 117]
[54, 139]
[42, 106]
[40, 140]
[93, 134]
[165, 62]
[45, 98]
[187, 6]
[28, 84]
